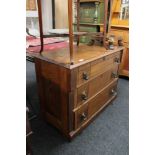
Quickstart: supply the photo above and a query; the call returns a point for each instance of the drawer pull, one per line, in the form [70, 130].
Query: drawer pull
[84, 96]
[83, 116]
[117, 60]
[113, 92]
[85, 76]
[114, 75]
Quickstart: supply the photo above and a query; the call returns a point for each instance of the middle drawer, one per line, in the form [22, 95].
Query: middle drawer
[88, 90]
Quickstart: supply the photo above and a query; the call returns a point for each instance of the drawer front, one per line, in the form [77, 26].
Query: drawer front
[91, 88]
[84, 74]
[91, 107]
[104, 64]
[90, 70]
[81, 115]
[98, 101]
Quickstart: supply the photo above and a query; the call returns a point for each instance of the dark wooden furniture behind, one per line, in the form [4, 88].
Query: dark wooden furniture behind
[123, 31]
[72, 95]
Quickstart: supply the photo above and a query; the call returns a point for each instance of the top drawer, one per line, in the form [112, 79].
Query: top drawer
[97, 67]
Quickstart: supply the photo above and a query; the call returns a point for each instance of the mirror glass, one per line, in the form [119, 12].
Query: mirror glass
[124, 12]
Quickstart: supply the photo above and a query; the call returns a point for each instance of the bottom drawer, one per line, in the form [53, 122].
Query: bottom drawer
[81, 115]
[98, 101]
[95, 104]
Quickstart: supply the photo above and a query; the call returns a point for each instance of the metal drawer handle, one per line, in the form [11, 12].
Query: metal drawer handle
[84, 96]
[117, 60]
[113, 92]
[85, 76]
[114, 75]
[83, 116]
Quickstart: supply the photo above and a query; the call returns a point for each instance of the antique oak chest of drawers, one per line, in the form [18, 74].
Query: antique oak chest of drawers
[72, 95]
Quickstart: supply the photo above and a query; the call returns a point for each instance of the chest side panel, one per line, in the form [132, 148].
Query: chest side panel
[53, 84]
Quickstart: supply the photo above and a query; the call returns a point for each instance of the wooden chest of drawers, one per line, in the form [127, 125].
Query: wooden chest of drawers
[71, 96]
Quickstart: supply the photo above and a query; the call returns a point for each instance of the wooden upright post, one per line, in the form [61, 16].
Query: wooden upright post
[40, 24]
[78, 20]
[105, 22]
[70, 21]
[107, 18]
[110, 15]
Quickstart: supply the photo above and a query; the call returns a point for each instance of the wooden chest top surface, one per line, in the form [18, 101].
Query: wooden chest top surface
[82, 54]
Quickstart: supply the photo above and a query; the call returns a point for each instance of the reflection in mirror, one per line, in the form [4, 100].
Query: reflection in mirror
[124, 14]
[32, 22]
[32, 27]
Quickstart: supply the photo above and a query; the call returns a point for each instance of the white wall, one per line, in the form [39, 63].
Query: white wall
[47, 15]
